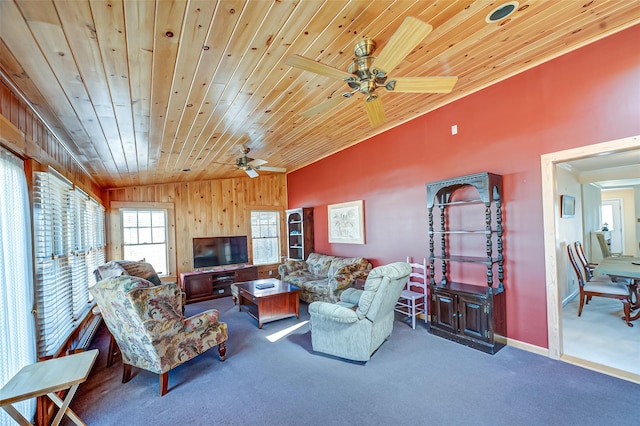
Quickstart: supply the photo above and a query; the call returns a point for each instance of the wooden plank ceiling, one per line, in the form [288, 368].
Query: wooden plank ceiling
[140, 90]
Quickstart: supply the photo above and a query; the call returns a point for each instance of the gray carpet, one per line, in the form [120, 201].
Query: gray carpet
[413, 379]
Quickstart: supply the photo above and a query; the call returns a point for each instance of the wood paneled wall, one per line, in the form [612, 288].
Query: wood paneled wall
[203, 209]
[22, 132]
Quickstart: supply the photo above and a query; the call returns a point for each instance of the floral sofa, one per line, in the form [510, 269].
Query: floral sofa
[323, 277]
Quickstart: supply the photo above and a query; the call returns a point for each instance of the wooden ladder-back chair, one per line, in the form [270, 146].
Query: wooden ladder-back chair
[589, 289]
[413, 300]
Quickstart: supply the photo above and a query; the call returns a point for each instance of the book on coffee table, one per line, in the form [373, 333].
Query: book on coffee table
[265, 285]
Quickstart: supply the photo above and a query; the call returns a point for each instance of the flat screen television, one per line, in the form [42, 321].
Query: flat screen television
[219, 251]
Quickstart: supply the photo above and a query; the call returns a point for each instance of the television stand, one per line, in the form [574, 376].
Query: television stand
[206, 285]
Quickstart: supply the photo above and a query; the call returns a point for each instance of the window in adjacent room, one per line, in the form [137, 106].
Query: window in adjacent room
[265, 236]
[144, 236]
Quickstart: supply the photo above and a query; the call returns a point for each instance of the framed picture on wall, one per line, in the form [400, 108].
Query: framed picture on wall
[346, 223]
[567, 206]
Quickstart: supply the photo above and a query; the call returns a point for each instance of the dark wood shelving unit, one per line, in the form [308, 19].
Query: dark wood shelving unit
[468, 313]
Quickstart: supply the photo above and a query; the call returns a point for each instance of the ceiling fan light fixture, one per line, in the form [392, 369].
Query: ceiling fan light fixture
[501, 12]
[366, 72]
[367, 87]
[361, 68]
[364, 48]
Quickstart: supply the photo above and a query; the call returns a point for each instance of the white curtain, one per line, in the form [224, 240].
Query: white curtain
[17, 325]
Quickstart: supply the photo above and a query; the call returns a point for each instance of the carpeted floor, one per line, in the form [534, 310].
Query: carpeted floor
[413, 379]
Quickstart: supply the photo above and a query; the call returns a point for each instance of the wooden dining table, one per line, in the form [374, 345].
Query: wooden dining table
[625, 267]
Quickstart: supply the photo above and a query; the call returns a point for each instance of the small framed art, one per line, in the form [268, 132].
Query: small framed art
[567, 206]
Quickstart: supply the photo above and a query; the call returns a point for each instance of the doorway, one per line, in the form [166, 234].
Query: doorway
[612, 221]
[554, 247]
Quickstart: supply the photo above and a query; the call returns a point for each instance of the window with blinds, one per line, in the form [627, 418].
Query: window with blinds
[265, 236]
[144, 236]
[69, 245]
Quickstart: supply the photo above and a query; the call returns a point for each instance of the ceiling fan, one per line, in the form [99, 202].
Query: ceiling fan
[250, 165]
[367, 73]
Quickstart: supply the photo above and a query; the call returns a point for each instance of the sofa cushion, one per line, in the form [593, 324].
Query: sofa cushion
[140, 269]
[124, 283]
[343, 265]
[319, 287]
[109, 270]
[293, 267]
[319, 264]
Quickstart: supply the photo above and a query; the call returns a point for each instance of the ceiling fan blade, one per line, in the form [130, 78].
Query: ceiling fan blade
[325, 106]
[252, 173]
[375, 111]
[256, 163]
[307, 64]
[410, 33]
[424, 84]
[273, 169]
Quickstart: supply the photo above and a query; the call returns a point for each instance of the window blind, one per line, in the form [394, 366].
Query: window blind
[265, 237]
[69, 245]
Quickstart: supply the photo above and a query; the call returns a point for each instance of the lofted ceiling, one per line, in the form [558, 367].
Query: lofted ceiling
[141, 90]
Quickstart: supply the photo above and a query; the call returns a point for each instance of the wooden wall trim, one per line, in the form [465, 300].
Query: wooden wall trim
[23, 131]
[114, 231]
[210, 208]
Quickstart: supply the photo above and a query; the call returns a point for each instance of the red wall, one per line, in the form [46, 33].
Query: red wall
[588, 96]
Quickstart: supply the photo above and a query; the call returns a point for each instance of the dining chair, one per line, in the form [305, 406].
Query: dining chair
[604, 247]
[599, 288]
[589, 266]
[413, 300]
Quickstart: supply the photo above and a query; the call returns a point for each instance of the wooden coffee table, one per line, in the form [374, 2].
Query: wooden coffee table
[271, 303]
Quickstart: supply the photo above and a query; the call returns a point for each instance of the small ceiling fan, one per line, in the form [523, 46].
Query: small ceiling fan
[250, 165]
[367, 73]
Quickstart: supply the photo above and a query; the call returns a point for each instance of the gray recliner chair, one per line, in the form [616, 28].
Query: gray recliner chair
[356, 326]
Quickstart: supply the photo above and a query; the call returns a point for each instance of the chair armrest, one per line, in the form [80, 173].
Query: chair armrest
[332, 312]
[202, 319]
[339, 282]
[351, 295]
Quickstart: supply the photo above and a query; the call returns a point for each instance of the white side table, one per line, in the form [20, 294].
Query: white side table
[46, 378]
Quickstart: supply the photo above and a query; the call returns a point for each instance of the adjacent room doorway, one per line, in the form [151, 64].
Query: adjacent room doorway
[554, 247]
[612, 219]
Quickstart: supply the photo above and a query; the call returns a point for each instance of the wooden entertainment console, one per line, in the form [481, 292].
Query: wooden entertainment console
[211, 284]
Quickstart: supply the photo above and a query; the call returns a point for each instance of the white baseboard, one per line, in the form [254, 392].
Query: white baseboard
[610, 371]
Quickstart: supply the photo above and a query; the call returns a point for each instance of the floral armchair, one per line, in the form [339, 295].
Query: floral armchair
[147, 323]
